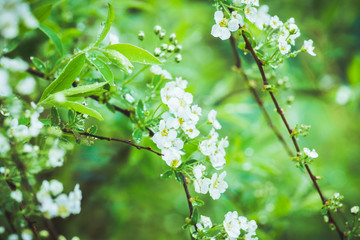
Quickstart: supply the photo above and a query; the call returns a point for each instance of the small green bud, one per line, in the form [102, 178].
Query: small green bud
[178, 48]
[162, 35]
[171, 48]
[178, 58]
[164, 46]
[157, 52]
[172, 37]
[157, 29]
[141, 35]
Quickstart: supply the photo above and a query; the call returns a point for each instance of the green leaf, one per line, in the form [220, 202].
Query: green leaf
[190, 162]
[12, 45]
[54, 117]
[71, 116]
[140, 111]
[66, 77]
[93, 129]
[109, 21]
[195, 216]
[38, 64]
[137, 135]
[324, 210]
[135, 54]
[118, 59]
[167, 174]
[103, 68]
[43, 12]
[178, 177]
[53, 37]
[353, 71]
[84, 90]
[79, 108]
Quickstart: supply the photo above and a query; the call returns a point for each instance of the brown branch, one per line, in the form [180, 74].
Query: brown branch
[129, 142]
[188, 197]
[281, 113]
[257, 97]
[30, 223]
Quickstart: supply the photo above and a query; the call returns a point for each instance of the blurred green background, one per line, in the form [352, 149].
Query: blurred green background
[123, 195]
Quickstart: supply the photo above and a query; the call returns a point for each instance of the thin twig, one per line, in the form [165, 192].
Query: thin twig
[129, 142]
[257, 97]
[188, 197]
[296, 145]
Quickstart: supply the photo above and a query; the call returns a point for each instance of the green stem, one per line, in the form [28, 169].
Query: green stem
[135, 75]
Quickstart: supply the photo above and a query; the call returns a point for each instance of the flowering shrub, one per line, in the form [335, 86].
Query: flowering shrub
[49, 108]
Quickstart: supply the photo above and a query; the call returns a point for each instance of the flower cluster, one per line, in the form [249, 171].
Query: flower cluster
[13, 14]
[215, 186]
[279, 36]
[63, 205]
[233, 225]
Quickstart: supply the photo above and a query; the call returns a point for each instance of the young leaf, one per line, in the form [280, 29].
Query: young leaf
[79, 108]
[67, 76]
[53, 37]
[71, 116]
[138, 134]
[134, 53]
[118, 59]
[140, 111]
[55, 118]
[109, 21]
[38, 64]
[93, 129]
[85, 90]
[167, 174]
[103, 68]
[43, 12]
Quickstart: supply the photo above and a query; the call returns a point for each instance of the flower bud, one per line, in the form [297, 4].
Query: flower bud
[157, 29]
[178, 48]
[172, 37]
[178, 58]
[141, 35]
[157, 52]
[162, 35]
[171, 48]
[164, 46]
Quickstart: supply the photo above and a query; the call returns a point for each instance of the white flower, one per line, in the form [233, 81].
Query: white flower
[355, 209]
[262, 17]
[5, 89]
[198, 169]
[157, 70]
[212, 119]
[26, 86]
[202, 185]
[16, 195]
[20, 132]
[75, 200]
[13, 236]
[223, 26]
[62, 203]
[26, 235]
[275, 22]
[56, 187]
[114, 39]
[2, 229]
[250, 13]
[308, 46]
[129, 98]
[205, 222]
[311, 154]
[14, 65]
[4, 145]
[232, 224]
[56, 155]
[36, 125]
[190, 130]
[48, 207]
[218, 185]
[283, 46]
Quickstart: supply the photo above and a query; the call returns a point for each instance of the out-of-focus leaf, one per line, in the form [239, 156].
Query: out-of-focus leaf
[353, 70]
[53, 37]
[140, 111]
[135, 54]
[54, 117]
[109, 21]
[38, 64]
[43, 12]
[138, 134]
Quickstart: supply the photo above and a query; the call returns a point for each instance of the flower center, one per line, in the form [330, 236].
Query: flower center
[223, 22]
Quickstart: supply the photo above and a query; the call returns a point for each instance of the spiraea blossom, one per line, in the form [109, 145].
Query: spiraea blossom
[308, 47]
[310, 153]
[217, 185]
[54, 203]
[223, 26]
[233, 225]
